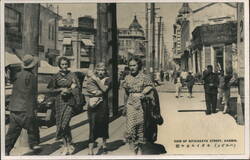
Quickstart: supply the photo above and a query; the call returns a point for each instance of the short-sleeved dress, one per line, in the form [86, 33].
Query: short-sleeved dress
[135, 115]
[64, 105]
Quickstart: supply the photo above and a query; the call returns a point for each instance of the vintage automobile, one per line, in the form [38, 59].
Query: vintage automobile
[45, 98]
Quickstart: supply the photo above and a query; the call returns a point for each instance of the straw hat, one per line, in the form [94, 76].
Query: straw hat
[29, 61]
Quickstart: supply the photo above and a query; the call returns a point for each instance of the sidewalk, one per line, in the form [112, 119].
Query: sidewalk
[184, 119]
[169, 87]
[80, 130]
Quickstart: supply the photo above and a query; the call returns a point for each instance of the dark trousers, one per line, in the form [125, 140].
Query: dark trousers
[211, 102]
[190, 89]
[18, 121]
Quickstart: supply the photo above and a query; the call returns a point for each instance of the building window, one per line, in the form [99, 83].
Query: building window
[13, 27]
[68, 51]
[12, 20]
[129, 43]
[52, 32]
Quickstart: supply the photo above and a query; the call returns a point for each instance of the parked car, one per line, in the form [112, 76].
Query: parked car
[45, 99]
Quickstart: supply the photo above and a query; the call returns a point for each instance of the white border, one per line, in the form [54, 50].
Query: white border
[246, 126]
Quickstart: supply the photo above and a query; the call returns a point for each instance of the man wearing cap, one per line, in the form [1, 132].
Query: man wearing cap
[22, 106]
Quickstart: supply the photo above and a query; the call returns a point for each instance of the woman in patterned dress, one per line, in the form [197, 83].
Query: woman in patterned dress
[97, 85]
[66, 84]
[136, 85]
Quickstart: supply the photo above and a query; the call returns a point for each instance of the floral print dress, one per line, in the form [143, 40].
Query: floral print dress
[135, 115]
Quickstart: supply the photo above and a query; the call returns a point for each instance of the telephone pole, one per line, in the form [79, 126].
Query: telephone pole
[30, 42]
[107, 48]
[152, 27]
[162, 48]
[159, 44]
[147, 41]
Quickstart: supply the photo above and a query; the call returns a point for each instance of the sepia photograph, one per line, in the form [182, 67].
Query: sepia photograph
[85, 80]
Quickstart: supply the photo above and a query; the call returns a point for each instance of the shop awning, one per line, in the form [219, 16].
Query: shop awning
[11, 59]
[45, 67]
[67, 41]
[87, 42]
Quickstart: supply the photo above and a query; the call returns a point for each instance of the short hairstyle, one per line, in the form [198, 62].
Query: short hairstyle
[139, 62]
[60, 59]
[101, 65]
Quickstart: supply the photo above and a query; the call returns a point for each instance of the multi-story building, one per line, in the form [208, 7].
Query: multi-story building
[181, 32]
[48, 24]
[203, 37]
[77, 42]
[131, 41]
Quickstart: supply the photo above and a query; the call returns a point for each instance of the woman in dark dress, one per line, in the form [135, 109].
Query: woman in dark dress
[97, 86]
[66, 84]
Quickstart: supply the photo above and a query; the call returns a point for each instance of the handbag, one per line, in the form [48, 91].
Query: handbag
[95, 101]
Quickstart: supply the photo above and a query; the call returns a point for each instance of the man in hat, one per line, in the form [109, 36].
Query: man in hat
[22, 106]
[211, 82]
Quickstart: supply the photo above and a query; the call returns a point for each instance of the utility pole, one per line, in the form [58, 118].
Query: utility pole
[107, 47]
[162, 48]
[147, 41]
[30, 43]
[152, 27]
[159, 44]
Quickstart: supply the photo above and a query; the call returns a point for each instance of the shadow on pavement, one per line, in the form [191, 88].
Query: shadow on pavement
[153, 149]
[195, 110]
[112, 146]
[79, 146]
[46, 149]
[52, 135]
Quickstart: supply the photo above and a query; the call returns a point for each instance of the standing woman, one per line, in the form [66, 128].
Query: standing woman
[97, 86]
[136, 85]
[66, 84]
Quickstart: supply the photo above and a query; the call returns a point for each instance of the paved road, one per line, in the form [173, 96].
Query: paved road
[184, 119]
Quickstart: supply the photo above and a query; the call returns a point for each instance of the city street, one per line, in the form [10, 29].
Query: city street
[184, 119]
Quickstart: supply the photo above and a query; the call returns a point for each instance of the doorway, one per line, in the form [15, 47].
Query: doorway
[219, 58]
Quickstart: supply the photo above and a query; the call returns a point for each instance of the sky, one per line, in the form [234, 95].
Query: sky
[127, 11]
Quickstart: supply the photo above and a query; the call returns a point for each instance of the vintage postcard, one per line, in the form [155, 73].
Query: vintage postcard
[124, 79]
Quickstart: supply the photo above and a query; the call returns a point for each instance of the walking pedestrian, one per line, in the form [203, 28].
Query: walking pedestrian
[23, 106]
[98, 85]
[66, 85]
[178, 85]
[162, 75]
[190, 83]
[211, 82]
[136, 85]
[167, 76]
